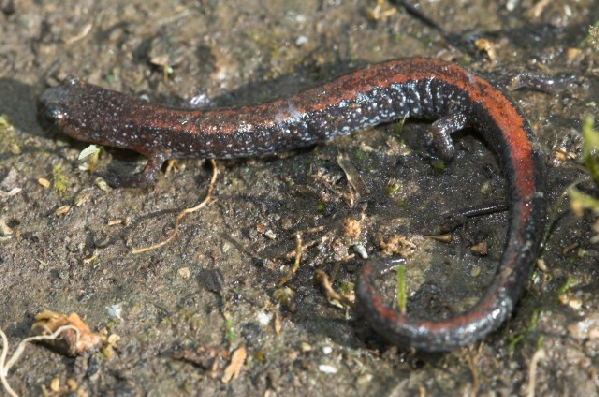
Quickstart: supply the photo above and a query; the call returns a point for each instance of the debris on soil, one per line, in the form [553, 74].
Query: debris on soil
[352, 228]
[208, 358]
[296, 262]
[488, 47]
[8, 185]
[232, 371]
[397, 244]
[334, 298]
[203, 357]
[73, 341]
[587, 328]
[184, 213]
[5, 230]
[52, 327]
[286, 297]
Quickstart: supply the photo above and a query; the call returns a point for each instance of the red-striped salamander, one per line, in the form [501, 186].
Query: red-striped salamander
[421, 88]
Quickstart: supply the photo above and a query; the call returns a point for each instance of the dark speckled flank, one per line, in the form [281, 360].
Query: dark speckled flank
[421, 88]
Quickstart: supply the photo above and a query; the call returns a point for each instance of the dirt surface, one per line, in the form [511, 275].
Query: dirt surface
[216, 286]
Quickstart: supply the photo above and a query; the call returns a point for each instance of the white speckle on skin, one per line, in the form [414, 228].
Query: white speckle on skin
[360, 97]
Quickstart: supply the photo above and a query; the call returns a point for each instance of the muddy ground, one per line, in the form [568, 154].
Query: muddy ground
[67, 245]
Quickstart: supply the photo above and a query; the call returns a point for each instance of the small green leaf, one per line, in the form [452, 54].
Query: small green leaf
[580, 201]
[401, 288]
[60, 182]
[91, 150]
[590, 149]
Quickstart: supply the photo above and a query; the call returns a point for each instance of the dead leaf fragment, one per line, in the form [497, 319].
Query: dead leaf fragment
[5, 230]
[48, 322]
[233, 369]
[397, 244]
[62, 210]
[352, 228]
[184, 273]
[204, 357]
[481, 249]
[487, 47]
[43, 182]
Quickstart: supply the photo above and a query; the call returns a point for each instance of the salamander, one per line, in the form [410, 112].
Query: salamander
[409, 88]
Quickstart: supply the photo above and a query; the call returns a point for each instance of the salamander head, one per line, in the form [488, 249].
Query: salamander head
[65, 106]
[54, 102]
[84, 111]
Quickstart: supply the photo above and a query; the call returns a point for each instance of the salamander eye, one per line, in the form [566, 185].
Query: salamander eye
[72, 81]
[53, 112]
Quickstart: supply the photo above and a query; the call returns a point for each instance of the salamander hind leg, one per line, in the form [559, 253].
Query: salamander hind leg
[443, 128]
[141, 179]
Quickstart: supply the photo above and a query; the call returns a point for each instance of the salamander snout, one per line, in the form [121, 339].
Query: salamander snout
[52, 112]
[51, 107]
[53, 103]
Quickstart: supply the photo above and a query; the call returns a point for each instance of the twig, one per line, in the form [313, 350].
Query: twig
[473, 371]
[11, 193]
[79, 36]
[296, 262]
[532, 372]
[183, 213]
[347, 300]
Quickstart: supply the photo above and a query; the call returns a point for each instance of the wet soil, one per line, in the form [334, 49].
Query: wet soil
[216, 285]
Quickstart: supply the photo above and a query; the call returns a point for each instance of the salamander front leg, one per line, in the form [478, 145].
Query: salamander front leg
[141, 179]
[442, 129]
